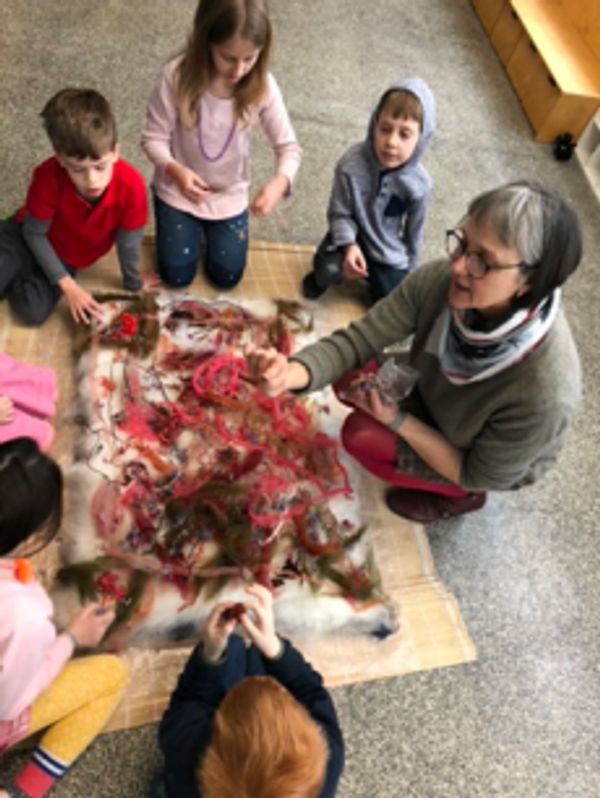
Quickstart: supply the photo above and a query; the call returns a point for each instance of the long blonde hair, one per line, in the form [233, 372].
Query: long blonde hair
[215, 22]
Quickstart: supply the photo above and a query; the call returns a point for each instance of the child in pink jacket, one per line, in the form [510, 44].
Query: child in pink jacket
[27, 399]
[40, 687]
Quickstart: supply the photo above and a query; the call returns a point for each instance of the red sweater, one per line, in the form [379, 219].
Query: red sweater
[82, 232]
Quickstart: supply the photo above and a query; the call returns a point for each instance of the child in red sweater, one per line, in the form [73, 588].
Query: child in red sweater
[80, 202]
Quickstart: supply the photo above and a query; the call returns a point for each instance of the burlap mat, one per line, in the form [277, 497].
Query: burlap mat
[432, 632]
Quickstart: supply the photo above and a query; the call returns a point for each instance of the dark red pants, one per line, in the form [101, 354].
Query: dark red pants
[374, 446]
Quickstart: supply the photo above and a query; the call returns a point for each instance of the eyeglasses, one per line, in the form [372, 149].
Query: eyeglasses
[477, 266]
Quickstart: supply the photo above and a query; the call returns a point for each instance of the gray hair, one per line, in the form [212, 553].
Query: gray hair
[516, 213]
[541, 226]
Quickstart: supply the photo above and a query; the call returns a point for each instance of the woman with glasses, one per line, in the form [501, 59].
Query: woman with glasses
[498, 373]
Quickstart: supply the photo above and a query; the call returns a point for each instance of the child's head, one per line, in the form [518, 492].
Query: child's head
[30, 495]
[80, 124]
[397, 127]
[264, 744]
[83, 133]
[230, 41]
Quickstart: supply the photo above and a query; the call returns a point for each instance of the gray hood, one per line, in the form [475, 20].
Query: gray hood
[420, 89]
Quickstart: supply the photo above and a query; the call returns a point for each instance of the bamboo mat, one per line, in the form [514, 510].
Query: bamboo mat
[432, 632]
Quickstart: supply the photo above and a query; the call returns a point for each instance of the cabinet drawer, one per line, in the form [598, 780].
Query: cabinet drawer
[569, 113]
[532, 82]
[488, 12]
[541, 97]
[524, 67]
[506, 34]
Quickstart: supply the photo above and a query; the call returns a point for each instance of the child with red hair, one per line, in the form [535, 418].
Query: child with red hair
[250, 722]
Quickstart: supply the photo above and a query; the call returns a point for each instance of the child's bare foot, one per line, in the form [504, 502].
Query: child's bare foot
[7, 412]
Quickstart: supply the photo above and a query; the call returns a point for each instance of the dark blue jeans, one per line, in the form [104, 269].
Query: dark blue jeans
[29, 293]
[179, 237]
[327, 269]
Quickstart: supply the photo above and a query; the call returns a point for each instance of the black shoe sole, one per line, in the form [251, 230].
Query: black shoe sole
[310, 289]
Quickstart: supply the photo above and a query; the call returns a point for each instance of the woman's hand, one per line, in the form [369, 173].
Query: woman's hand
[82, 305]
[380, 410]
[267, 368]
[216, 631]
[261, 629]
[7, 410]
[191, 185]
[273, 373]
[354, 265]
[89, 625]
[269, 196]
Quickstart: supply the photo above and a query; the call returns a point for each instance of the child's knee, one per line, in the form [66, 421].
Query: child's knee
[327, 264]
[32, 314]
[177, 275]
[114, 670]
[223, 276]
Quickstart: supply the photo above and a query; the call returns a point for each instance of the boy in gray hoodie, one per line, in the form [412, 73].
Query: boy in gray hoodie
[379, 197]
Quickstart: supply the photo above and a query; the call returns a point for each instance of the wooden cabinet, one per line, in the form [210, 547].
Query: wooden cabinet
[488, 12]
[506, 34]
[534, 85]
[525, 68]
[551, 52]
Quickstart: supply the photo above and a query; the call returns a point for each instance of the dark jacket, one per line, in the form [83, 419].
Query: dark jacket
[186, 727]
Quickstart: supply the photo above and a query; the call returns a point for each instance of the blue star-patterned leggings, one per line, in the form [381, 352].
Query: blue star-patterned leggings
[179, 238]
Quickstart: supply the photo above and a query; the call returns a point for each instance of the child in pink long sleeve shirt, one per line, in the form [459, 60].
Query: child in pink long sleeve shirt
[27, 399]
[34, 654]
[199, 124]
[39, 687]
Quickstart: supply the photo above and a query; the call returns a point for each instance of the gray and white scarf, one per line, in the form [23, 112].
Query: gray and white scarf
[468, 353]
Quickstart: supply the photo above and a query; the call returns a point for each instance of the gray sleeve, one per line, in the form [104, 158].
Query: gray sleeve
[389, 321]
[35, 233]
[343, 226]
[129, 243]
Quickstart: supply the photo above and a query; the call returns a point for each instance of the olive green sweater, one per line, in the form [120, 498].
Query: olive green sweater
[510, 427]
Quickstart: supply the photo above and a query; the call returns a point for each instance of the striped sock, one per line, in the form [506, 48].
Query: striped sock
[40, 773]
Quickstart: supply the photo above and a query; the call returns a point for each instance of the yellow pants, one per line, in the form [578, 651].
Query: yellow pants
[78, 704]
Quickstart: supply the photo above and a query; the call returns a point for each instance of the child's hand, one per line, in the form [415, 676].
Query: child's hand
[272, 372]
[268, 196]
[7, 410]
[188, 182]
[82, 305]
[261, 630]
[217, 629]
[354, 265]
[89, 626]
[150, 283]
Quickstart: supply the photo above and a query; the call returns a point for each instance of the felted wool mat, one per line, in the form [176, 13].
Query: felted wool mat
[432, 633]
